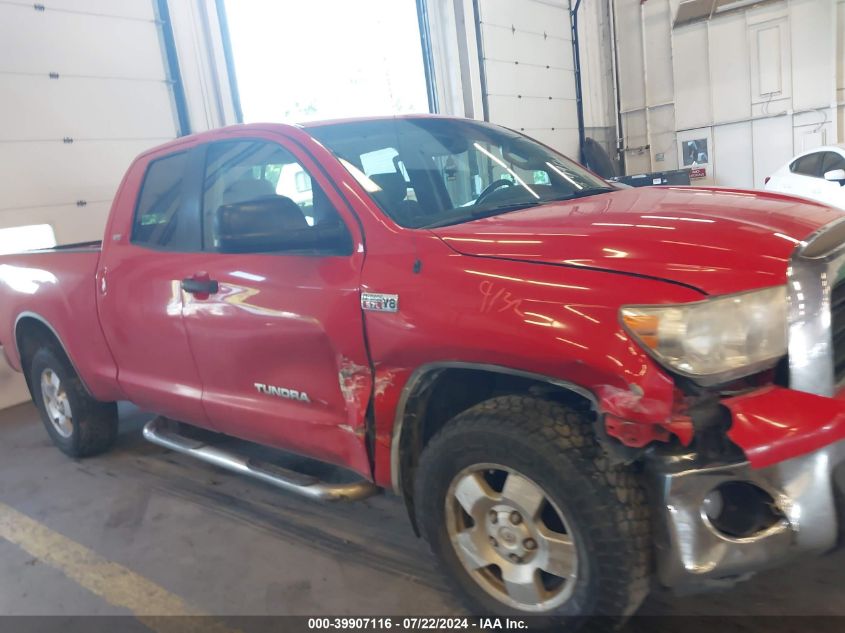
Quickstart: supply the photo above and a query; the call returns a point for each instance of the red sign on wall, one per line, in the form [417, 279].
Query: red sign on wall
[698, 172]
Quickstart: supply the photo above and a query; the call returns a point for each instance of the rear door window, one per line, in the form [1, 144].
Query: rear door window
[161, 220]
[809, 165]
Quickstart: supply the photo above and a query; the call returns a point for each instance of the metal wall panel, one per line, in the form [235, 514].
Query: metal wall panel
[540, 16]
[813, 35]
[84, 44]
[84, 108]
[772, 141]
[731, 79]
[510, 79]
[51, 172]
[629, 35]
[636, 136]
[527, 61]
[731, 146]
[657, 22]
[691, 69]
[138, 9]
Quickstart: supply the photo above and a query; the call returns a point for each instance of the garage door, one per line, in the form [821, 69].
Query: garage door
[529, 84]
[85, 89]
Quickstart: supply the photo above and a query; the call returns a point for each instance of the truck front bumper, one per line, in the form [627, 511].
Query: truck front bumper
[693, 554]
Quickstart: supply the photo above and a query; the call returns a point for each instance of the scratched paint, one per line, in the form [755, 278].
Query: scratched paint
[354, 382]
[384, 381]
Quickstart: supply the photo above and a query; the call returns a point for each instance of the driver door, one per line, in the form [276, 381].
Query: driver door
[279, 343]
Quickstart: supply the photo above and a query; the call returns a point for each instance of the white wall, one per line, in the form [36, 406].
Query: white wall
[761, 84]
[66, 140]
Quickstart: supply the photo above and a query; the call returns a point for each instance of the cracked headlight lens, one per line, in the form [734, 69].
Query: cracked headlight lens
[717, 339]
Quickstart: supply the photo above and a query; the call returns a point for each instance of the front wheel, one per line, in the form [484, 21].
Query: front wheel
[79, 425]
[528, 518]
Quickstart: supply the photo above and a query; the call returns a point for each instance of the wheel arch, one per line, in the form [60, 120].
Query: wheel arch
[30, 328]
[416, 421]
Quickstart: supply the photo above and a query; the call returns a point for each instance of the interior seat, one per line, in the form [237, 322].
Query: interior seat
[394, 190]
[247, 188]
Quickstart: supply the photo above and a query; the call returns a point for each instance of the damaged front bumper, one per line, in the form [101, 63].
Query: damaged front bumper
[693, 554]
[694, 551]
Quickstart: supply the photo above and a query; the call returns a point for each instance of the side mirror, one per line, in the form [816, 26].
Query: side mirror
[272, 224]
[836, 175]
[261, 225]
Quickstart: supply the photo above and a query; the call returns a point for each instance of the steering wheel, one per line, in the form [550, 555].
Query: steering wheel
[493, 186]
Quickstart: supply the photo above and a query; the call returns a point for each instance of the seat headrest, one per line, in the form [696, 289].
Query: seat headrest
[247, 189]
[394, 189]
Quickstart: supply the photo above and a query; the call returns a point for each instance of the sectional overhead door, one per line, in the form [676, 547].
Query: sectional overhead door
[528, 78]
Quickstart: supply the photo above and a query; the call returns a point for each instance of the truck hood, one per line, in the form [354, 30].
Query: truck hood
[716, 240]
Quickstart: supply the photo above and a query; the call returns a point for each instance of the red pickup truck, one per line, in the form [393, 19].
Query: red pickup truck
[574, 387]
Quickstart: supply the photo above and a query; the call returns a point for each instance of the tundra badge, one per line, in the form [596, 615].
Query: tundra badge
[378, 302]
[282, 392]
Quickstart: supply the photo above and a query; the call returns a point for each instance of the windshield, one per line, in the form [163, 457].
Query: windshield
[430, 172]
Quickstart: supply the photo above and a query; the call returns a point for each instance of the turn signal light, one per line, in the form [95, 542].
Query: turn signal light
[645, 326]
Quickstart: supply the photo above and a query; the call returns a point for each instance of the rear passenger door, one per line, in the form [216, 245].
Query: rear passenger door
[280, 344]
[139, 288]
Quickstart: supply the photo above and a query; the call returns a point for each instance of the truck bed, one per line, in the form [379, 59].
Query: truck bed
[54, 290]
[95, 245]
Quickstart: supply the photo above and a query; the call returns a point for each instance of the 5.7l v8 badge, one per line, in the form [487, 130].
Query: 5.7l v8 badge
[378, 302]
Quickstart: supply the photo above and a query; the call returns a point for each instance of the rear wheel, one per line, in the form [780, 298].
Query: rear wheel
[79, 425]
[528, 518]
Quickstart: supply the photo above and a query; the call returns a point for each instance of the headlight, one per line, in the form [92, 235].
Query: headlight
[715, 340]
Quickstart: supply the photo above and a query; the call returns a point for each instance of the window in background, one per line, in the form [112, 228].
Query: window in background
[17, 239]
[325, 59]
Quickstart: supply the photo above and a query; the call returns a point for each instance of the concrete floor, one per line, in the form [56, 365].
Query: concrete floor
[232, 546]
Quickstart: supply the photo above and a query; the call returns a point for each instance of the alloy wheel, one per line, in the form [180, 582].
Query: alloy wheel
[56, 403]
[511, 537]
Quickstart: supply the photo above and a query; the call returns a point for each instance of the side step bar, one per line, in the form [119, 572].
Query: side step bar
[156, 431]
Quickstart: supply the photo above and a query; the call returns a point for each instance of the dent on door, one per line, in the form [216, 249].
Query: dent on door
[280, 350]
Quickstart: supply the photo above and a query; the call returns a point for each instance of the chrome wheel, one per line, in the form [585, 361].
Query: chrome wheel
[56, 403]
[511, 537]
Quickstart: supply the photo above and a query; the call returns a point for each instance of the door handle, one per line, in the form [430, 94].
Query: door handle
[200, 286]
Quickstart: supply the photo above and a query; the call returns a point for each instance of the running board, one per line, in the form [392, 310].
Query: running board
[156, 431]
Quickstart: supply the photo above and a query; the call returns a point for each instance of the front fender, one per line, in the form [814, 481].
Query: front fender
[551, 321]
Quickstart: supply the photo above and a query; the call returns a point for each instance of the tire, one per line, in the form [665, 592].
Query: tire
[78, 425]
[601, 510]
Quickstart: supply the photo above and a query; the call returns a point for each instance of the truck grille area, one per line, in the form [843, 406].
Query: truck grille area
[816, 311]
[837, 326]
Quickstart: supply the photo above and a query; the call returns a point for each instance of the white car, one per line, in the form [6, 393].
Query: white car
[818, 174]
